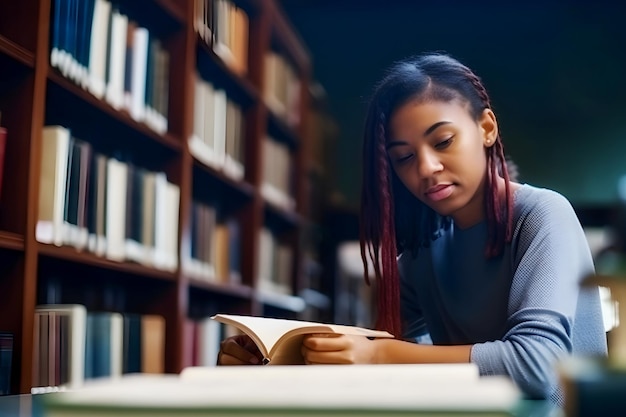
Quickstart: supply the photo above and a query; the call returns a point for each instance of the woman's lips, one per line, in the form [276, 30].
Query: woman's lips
[439, 192]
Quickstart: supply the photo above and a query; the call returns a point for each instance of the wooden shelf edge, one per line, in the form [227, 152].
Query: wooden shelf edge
[242, 186]
[71, 254]
[10, 240]
[290, 217]
[71, 88]
[287, 133]
[283, 301]
[16, 52]
[290, 38]
[236, 290]
[172, 9]
[241, 81]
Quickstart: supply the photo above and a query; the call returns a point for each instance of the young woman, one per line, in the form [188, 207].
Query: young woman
[469, 266]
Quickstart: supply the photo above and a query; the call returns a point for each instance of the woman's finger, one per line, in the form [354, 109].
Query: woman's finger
[233, 351]
[325, 342]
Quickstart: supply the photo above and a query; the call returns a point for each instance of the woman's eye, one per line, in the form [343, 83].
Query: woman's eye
[403, 158]
[444, 143]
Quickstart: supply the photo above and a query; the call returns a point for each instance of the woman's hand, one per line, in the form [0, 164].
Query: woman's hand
[338, 349]
[239, 350]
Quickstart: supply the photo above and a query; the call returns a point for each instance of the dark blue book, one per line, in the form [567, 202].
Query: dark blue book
[57, 35]
[131, 353]
[6, 357]
[85, 21]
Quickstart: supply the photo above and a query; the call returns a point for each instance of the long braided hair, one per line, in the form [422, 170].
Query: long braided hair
[392, 220]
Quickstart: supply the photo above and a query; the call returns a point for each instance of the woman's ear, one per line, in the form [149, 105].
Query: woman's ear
[488, 127]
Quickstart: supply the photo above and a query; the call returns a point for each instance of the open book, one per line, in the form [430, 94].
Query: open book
[279, 340]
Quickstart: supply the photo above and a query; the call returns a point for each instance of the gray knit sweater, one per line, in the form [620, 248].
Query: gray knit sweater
[521, 311]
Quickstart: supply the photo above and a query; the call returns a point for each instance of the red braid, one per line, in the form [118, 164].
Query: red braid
[382, 247]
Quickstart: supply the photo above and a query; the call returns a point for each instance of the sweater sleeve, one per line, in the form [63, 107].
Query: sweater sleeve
[550, 258]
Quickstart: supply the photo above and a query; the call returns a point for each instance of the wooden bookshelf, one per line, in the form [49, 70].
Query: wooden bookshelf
[37, 91]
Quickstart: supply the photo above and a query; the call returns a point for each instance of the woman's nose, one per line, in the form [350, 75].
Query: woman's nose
[428, 163]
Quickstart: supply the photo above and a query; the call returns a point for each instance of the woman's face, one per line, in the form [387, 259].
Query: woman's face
[438, 151]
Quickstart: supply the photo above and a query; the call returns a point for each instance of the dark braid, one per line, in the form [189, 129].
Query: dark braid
[499, 216]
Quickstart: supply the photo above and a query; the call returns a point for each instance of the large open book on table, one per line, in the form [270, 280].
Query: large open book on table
[279, 340]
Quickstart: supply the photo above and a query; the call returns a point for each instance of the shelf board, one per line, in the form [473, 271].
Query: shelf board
[285, 36]
[282, 301]
[165, 17]
[172, 9]
[315, 299]
[279, 130]
[10, 240]
[70, 254]
[16, 52]
[233, 290]
[123, 117]
[288, 218]
[216, 71]
[243, 188]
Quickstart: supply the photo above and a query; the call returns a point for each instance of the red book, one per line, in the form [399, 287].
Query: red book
[3, 142]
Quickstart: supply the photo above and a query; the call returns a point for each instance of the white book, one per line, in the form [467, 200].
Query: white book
[141, 44]
[117, 344]
[98, 47]
[219, 125]
[52, 183]
[198, 110]
[209, 343]
[117, 59]
[117, 173]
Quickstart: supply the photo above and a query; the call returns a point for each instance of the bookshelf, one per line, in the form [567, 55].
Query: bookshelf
[171, 120]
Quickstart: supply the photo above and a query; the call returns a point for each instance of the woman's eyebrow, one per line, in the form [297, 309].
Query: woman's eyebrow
[435, 126]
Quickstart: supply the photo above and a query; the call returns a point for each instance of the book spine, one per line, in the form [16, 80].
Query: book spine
[6, 358]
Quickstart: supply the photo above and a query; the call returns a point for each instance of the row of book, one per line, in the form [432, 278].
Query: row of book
[97, 46]
[106, 206]
[275, 264]
[224, 27]
[215, 252]
[281, 88]
[277, 174]
[218, 138]
[73, 345]
[215, 249]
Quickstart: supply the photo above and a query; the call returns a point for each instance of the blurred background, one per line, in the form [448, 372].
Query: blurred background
[555, 71]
